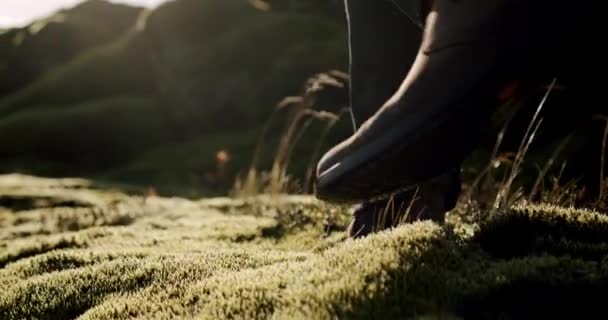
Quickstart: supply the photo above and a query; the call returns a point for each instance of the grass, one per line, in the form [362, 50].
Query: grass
[314, 113]
[72, 249]
[91, 253]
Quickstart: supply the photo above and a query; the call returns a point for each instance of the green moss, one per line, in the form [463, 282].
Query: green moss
[35, 246]
[544, 228]
[275, 257]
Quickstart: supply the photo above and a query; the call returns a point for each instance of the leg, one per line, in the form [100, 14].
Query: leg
[383, 45]
[471, 50]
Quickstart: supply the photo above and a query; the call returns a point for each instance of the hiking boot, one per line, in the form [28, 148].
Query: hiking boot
[430, 202]
[470, 51]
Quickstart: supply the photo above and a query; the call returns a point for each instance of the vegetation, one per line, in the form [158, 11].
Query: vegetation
[151, 99]
[239, 98]
[153, 82]
[72, 250]
[27, 53]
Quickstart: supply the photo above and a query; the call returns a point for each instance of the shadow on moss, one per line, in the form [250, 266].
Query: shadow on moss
[545, 229]
[531, 262]
[27, 202]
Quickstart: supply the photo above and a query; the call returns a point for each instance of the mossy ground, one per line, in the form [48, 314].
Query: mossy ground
[70, 251]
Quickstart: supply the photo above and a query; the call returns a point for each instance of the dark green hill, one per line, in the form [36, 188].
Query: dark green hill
[26, 53]
[184, 75]
[217, 57]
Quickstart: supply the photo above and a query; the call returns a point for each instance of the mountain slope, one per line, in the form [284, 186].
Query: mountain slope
[27, 53]
[206, 67]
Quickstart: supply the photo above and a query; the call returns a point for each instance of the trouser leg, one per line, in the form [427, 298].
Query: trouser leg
[383, 44]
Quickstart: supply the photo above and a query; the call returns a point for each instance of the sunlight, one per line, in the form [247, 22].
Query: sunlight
[18, 13]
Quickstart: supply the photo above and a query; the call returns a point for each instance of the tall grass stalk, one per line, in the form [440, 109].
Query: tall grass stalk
[543, 172]
[603, 185]
[311, 167]
[505, 197]
[277, 181]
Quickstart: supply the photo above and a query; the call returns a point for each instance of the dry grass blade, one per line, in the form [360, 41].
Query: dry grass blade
[543, 172]
[485, 174]
[504, 197]
[295, 131]
[310, 169]
[602, 185]
[277, 180]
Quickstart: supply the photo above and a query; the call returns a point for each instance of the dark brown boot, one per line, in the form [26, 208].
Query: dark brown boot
[430, 202]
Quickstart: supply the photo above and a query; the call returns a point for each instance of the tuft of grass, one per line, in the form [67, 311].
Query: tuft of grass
[602, 201]
[503, 197]
[501, 184]
[317, 103]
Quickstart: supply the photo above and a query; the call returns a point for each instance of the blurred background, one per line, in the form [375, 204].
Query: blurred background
[207, 97]
[175, 96]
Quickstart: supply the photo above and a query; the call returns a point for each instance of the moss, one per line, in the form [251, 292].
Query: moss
[274, 257]
[31, 247]
[544, 228]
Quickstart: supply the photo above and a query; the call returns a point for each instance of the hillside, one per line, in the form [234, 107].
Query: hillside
[72, 250]
[27, 53]
[187, 71]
